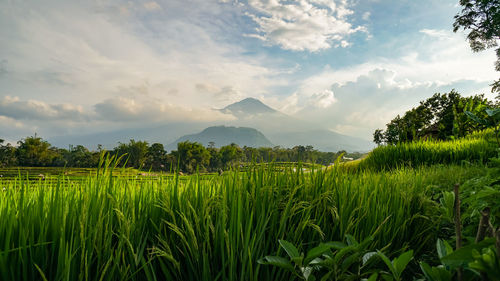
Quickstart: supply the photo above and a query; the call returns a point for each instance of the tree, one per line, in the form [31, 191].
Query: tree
[7, 155]
[157, 158]
[378, 136]
[136, 152]
[230, 154]
[34, 151]
[192, 156]
[482, 19]
[441, 116]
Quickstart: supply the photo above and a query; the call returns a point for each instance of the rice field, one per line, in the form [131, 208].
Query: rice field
[478, 147]
[105, 227]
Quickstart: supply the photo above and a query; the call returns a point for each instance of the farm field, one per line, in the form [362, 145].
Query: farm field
[107, 225]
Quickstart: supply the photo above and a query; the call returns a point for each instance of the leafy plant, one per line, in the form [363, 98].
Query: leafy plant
[396, 266]
[339, 261]
[492, 121]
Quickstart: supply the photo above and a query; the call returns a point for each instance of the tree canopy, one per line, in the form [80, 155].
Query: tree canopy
[441, 116]
[481, 18]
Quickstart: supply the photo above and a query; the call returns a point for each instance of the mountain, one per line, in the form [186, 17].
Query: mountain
[323, 140]
[289, 131]
[222, 135]
[248, 107]
[271, 127]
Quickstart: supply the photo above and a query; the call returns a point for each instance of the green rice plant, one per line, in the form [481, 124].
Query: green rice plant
[478, 147]
[109, 227]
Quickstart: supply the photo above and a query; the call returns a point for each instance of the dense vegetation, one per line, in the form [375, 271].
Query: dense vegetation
[189, 156]
[440, 117]
[208, 229]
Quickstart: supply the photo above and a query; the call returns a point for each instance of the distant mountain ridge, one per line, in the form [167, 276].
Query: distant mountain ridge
[222, 135]
[259, 125]
[248, 106]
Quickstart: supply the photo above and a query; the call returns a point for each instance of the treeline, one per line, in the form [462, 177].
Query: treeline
[189, 157]
[441, 117]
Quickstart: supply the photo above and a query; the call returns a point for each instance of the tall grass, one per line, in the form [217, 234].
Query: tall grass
[478, 147]
[113, 228]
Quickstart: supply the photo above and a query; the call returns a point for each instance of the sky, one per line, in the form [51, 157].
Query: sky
[75, 67]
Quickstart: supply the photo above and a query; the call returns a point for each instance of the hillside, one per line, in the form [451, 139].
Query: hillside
[222, 135]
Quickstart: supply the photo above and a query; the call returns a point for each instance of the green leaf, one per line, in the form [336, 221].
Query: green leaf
[316, 252]
[368, 256]
[336, 245]
[441, 248]
[388, 262]
[340, 254]
[428, 272]
[277, 261]
[290, 249]
[463, 256]
[476, 119]
[350, 260]
[493, 112]
[351, 240]
[402, 261]
[373, 277]
[307, 273]
[435, 273]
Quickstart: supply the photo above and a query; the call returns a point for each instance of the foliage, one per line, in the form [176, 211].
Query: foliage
[481, 18]
[441, 117]
[492, 120]
[192, 156]
[339, 261]
[7, 154]
[117, 228]
[136, 152]
[477, 147]
[34, 151]
[141, 155]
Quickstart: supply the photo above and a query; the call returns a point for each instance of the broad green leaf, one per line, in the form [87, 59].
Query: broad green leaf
[307, 273]
[277, 261]
[368, 256]
[463, 256]
[327, 276]
[476, 119]
[290, 249]
[316, 252]
[493, 112]
[350, 260]
[388, 262]
[402, 261]
[336, 245]
[441, 249]
[373, 277]
[340, 254]
[428, 272]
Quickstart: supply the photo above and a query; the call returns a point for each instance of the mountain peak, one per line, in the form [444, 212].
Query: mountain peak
[248, 106]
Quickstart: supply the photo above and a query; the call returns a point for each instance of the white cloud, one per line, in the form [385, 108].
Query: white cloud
[306, 25]
[366, 16]
[126, 110]
[84, 53]
[368, 95]
[437, 33]
[152, 6]
[12, 107]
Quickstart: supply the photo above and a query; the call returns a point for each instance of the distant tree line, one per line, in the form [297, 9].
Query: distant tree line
[439, 117]
[189, 157]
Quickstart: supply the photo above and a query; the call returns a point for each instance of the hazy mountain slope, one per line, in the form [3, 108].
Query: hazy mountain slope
[322, 140]
[288, 131]
[280, 129]
[222, 135]
[248, 107]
